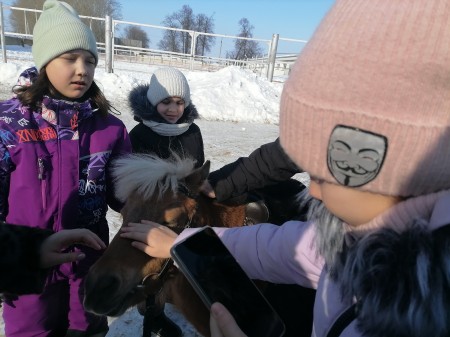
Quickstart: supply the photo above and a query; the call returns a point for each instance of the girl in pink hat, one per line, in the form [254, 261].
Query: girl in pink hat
[366, 112]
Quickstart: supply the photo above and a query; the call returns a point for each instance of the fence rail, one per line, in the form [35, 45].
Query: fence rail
[274, 63]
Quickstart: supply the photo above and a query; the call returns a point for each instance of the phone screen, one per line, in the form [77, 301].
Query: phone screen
[217, 277]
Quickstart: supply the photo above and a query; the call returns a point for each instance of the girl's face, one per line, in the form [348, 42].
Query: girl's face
[72, 73]
[352, 206]
[171, 109]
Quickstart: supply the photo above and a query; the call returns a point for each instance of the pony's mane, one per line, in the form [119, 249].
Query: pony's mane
[145, 173]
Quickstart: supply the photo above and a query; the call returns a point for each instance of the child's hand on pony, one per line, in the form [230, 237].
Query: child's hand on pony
[52, 248]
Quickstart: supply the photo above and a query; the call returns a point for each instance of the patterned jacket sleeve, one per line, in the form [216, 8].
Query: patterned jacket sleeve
[5, 169]
[19, 259]
[26, 78]
[265, 166]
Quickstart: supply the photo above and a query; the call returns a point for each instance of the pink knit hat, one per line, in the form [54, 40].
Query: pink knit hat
[367, 104]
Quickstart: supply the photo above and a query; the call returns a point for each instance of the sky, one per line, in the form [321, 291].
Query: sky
[296, 19]
[292, 19]
[238, 110]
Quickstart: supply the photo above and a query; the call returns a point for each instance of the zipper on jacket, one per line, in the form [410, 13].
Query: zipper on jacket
[41, 169]
[343, 321]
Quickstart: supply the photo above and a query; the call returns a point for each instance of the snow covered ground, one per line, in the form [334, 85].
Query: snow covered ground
[239, 112]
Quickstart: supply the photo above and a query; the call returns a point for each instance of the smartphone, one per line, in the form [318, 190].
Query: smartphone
[216, 276]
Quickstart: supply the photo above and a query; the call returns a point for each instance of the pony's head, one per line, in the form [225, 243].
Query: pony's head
[151, 188]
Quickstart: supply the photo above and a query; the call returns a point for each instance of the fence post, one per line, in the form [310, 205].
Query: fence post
[193, 35]
[108, 44]
[2, 33]
[272, 56]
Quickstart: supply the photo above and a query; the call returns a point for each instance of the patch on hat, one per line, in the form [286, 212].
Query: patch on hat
[355, 156]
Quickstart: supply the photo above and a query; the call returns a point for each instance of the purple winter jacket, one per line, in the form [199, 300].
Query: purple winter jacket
[53, 165]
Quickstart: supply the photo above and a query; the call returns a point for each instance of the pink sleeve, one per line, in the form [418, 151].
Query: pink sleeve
[279, 254]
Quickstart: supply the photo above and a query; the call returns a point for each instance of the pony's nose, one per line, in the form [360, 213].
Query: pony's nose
[99, 292]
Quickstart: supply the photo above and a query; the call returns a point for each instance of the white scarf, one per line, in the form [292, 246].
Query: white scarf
[165, 129]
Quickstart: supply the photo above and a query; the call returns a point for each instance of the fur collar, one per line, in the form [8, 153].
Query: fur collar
[401, 278]
[142, 109]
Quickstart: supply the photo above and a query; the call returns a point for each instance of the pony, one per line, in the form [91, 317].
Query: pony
[166, 191]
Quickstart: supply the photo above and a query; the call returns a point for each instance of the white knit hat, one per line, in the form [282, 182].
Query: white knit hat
[59, 30]
[168, 82]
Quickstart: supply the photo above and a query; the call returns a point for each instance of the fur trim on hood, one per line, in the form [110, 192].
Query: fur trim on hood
[142, 109]
[401, 281]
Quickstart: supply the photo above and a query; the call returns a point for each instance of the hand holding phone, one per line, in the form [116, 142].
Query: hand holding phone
[222, 323]
[217, 277]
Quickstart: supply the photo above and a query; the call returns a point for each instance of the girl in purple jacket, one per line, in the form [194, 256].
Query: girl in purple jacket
[57, 140]
[366, 112]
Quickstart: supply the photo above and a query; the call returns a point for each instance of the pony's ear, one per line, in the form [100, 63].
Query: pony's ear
[198, 176]
[205, 170]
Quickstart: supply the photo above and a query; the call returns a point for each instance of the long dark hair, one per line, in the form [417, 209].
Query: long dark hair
[32, 95]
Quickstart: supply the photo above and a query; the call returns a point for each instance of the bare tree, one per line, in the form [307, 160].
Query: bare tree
[187, 21]
[136, 33]
[24, 22]
[204, 43]
[171, 40]
[180, 42]
[243, 48]
[182, 19]
[97, 8]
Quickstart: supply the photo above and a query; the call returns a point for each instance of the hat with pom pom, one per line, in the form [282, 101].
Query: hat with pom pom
[59, 30]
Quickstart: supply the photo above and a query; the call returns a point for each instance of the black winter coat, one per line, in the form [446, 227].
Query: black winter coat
[188, 144]
[20, 259]
[145, 140]
[265, 166]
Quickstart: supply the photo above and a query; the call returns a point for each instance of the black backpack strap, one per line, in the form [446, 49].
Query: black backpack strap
[343, 321]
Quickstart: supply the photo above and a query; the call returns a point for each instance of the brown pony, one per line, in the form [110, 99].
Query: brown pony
[167, 192]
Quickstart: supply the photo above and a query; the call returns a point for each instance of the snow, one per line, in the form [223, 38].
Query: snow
[238, 109]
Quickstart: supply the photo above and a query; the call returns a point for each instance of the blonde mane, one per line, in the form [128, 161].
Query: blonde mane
[145, 173]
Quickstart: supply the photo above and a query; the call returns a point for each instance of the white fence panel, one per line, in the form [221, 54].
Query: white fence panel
[274, 63]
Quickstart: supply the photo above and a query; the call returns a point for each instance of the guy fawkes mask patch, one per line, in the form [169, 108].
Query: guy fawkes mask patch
[355, 156]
